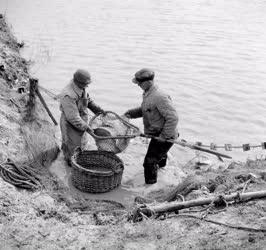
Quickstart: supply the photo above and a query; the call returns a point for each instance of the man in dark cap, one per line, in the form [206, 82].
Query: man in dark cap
[74, 104]
[160, 120]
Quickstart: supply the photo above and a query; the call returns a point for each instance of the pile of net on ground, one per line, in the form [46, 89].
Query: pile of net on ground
[21, 176]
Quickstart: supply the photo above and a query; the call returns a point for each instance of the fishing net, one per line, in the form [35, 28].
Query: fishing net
[112, 132]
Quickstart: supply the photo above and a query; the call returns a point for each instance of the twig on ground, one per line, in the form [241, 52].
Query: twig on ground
[245, 228]
[245, 186]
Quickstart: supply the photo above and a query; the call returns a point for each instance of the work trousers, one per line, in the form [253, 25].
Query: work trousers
[156, 157]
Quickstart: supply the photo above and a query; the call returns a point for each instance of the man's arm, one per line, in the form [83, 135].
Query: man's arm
[94, 107]
[134, 113]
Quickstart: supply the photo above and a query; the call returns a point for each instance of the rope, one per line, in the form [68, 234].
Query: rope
[50, 93]
[230, 147]
[138, 213]
[22, 176]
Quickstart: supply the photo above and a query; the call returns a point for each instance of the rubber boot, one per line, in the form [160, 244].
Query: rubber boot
[162, 162]
[150, 174]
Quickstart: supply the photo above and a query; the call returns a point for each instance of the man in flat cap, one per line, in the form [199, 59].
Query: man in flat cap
[74, 104]
[160, 120]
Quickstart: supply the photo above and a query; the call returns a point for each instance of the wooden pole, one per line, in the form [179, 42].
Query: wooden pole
[175, 206]
[34, 89]
[32, 100]
[196, 147]
[192, 146]
[45, 105]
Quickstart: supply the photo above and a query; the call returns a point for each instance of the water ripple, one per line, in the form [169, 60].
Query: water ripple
[209, 55]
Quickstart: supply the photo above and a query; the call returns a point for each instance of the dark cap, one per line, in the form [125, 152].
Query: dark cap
[82, 76]
[143, 75]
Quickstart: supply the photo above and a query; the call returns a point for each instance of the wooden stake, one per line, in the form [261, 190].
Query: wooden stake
[45, 106]
[175, 206]
[32, 100]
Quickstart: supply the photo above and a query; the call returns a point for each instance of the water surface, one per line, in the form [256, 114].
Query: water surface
[210, 55]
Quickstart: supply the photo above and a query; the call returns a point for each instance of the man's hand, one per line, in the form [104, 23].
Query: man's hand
[127, 115]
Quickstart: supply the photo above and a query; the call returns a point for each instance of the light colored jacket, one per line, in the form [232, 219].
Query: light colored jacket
[159, 115]
[74, 107]
[74, 104]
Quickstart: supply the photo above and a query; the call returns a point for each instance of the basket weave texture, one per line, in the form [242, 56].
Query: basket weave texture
[96, 171]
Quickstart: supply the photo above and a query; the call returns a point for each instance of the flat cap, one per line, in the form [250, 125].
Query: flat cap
[143, 75]
[81, 76]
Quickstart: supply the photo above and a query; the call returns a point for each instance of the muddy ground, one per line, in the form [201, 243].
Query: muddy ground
[49, 217]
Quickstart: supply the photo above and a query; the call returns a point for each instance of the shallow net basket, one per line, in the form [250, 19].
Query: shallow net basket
[96, 171]
[111, 132]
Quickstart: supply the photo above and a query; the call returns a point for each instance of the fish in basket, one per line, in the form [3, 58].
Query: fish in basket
[112, 132]
[96, 171]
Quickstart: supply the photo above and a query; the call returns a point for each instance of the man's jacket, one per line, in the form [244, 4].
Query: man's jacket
[74, 104]
[159, 115]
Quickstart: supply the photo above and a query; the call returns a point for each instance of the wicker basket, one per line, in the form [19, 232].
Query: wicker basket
[96, 171]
